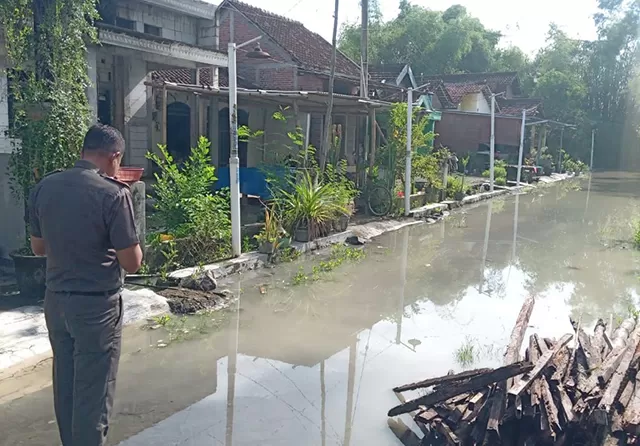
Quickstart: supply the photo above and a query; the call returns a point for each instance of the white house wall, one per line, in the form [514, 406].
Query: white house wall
[474, 103]
[175, 26]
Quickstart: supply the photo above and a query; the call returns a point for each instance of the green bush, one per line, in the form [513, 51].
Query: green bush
[190, 216]
[455, 185]
[499, 172]
[426, 167]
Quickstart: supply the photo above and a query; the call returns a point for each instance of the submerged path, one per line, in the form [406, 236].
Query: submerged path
[314, 363]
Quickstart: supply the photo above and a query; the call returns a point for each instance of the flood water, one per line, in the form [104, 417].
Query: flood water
[314, 363]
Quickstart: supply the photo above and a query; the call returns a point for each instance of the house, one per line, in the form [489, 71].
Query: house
[294, 79]
[150, 47]
[136, 38]
[465, 103]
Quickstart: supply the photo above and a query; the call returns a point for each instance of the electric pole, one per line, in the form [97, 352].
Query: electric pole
[364, 50]
[332, 76]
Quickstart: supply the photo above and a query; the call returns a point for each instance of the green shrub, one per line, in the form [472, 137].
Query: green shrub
[456, 184]
[426, 167]
[310, 203]
[190, 216]
[499, 172]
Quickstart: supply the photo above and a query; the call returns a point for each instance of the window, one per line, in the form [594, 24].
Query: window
[125, 23]
[153, 30]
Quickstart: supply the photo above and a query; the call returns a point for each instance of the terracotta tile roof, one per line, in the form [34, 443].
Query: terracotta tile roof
[309, 49]
[458, 91]
[387, 73]
[188, 76]
[498, 82]
[514, 107]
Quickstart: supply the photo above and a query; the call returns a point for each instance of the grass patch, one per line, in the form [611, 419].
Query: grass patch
[465, 354]
[340, 254]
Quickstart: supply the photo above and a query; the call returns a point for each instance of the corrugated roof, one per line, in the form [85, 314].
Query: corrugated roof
[311, 50]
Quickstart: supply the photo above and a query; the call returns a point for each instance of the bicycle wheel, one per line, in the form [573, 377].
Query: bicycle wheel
[380, 201]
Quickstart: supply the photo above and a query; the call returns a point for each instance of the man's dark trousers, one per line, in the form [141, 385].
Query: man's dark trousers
[85, 331]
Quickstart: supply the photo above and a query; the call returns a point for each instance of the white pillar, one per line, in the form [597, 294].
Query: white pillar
[407, 168]
[234, 161]
[492, 149]
[520, 154]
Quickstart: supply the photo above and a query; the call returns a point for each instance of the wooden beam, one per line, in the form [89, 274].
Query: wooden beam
[525, 381]
[474, 384]
[441, 380]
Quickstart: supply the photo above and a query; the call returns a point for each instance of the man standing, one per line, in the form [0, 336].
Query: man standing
[82, 220]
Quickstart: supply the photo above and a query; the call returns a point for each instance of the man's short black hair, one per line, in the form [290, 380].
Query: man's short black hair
[103, 138]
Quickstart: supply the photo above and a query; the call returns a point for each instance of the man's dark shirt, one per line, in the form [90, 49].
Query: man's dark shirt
[84, 218]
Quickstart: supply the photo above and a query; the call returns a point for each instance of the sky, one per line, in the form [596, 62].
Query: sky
[523, 24]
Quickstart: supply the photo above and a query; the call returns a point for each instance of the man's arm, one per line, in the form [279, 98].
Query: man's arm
[130, 258]
[37, 242]
[122, 233]
[37, 246]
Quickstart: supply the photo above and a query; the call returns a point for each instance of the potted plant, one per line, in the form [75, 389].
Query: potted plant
[345, 194]
[310, 207]
[271, 235]
[51, 109]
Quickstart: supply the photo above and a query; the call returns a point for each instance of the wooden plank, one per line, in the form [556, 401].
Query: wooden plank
[597, 340]
[511, 355]
[613, 389]
[603, 374]
[617, 418]
[445, 431]
[477, 398]
[441, 380]
[525, 381]
[565, 402]
[549, 406]
[471, 385]
[560, 364]
[631, 418]
[406, 436]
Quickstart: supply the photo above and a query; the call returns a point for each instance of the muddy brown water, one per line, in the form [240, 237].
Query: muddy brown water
[313, 364]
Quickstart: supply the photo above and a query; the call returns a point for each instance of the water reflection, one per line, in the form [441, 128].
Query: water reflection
[313, 364]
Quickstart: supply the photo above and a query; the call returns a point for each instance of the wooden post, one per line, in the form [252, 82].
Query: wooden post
[373, 133]
[164, 115]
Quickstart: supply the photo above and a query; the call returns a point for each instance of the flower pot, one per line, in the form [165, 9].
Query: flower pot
[302, 234]
[30, 275]
[343, 223]
[267, 248]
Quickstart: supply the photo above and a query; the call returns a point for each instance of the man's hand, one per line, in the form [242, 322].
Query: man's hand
[130, 258]
[38, 246]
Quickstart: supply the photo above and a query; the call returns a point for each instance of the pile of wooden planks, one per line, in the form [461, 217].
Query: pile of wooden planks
[585, 392]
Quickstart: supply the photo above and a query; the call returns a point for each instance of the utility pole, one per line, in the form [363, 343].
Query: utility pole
[407, 165]
[593, 143]
[520, 153]
[332, 77]
[559, 166]
[492, 143]
[364, 50]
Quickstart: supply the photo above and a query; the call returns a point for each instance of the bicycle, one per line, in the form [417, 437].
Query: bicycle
[379, 199]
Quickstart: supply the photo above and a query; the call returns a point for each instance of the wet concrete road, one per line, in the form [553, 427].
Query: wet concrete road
[313, 364]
